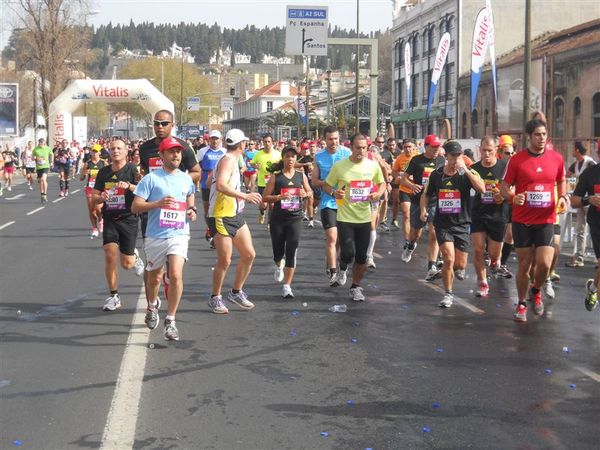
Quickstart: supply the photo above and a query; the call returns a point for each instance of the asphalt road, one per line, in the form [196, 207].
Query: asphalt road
[396, 372]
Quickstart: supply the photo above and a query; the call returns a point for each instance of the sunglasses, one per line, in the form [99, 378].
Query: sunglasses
[508, 153]
[161, 123]
[380, 142]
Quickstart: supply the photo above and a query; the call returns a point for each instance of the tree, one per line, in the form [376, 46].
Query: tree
[50, 39]
[280, 118]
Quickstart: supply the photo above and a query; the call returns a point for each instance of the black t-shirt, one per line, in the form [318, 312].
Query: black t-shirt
[484, 205]
[421, 167]
[588, 185]
[150, 158]
[387, 156]
[119, 203]
[453, 198]
[307, 170]
[292, 207]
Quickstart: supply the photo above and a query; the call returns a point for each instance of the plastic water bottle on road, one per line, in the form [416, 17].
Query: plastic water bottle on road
[338, 308]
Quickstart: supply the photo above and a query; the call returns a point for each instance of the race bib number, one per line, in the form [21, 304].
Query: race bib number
[92, 178]
[449, 201]
[292, 203]
[426, 173]
[41, 161]
[116, 199]
[30, 164]
[155, 164]
[539, 195]
[487, 197]
[173, 216]
[360, 190]
[571, 183]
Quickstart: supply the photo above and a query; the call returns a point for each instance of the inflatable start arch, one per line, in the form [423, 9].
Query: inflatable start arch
[60, 124]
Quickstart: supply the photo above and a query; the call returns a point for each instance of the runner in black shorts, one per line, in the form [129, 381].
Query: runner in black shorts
[452, 185]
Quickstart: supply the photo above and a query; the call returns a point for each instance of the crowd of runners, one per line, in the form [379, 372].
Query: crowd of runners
[505, 200]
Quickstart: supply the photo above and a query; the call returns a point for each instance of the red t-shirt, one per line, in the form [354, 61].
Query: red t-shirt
[536, 177]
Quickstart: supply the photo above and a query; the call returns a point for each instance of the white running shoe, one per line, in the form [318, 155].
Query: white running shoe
[548, 289]
[278, 274]
[287, 291]
[94, 233]
[408, 252]
[113, 302]
[342, 277]
[356, 294]
[447, 300]
[433, 273]
[139, 263]
[371, 263]
[311, 223]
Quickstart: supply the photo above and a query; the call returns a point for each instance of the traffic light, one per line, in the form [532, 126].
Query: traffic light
[232, 91]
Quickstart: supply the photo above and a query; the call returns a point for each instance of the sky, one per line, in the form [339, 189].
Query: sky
[374, 14]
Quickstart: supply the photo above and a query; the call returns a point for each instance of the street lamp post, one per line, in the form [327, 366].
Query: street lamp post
[183, 50]
[357, 94]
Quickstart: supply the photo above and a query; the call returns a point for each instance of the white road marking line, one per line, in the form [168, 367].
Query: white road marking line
[15, 197]
[35, 210]
[119, 431]
[593, 375]
[58, 200]
[377, 255]
[7, 224]
[458, 300]
[75, 191]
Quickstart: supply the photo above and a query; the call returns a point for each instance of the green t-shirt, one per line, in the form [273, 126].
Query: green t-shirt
[359, 180]
[41, 155]
[265, 160]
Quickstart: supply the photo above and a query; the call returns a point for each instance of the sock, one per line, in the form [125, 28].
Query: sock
[354, 286]
[214, 295]
[332, 270]
[523, 302]
[170, 318]
[534, 290]
[506, 249]
[235, 291]
[153, 304]
[431, 264]
[449, 291]
[343, 267]
[116, 292]
[372, 240]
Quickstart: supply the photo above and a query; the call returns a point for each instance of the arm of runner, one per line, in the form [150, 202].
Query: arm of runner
[268, 196]
[192, 212]
[226, 165]
[476, 182]
[316, 176]
[141, 205]
[194, 172]
[424, 201]
[508, 193]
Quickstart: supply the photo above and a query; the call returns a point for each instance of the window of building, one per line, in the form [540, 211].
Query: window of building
[474, 124]
[463, 133]
[415, 46]
[559, 117]
[426, 84]
[425, 44]
[596, 115]
[576, 116]
[414, 90]
[398, 50]
[400, 94]
[269, 106]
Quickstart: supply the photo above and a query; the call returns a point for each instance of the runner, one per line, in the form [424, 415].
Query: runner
[534, 172]
[505, 152]
[90, 170]
[28, 164]
[376, 212]
[62, 161]
[351, 181]
[113, 189]
[10, 163]
[402, 194]
[44, 159]
[451, 185]
[306, 158]
[249, 170]
[323, 163]
[262, 162]
[587, 193]
[287, 189]
[489, 214]
[228, 226]
[1, 173]
[208, 157]
[167, 195]
[419, 169]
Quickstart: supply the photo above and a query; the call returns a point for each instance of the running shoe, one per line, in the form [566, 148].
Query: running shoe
[384, 226]
[94, 233]
[538, 304]
[166, 284]
[433, 273]
[305, 218]
[152, 318]
[520, 314]
[66, 192]
[575, 262]
[171, 331]
[101, 225]
[9, 188]
[356, 294]
[240, 299]
[111, 303]
[486, 259]
[1, 191]
[278, 274]
[207, 234]
[447, 300]
[501, 272]
[371, 263]
[211, 243]
[460, 274]
[548, 289]
[44, 198]
[286, 291]
[62, 193]
[554, 277]
[311, 223]
[342, 276]
[30, 187]
[333, 279]
[591, 298]
[395, 224]
[483, 289]
[217, 305]
[139, 263]
[408, 252]
[261, 218]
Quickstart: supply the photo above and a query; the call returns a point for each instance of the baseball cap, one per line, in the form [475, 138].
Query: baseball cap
[96, 147]
[168, 144]
[453, 148]
[304, 146]
[505, 140]
[433, 140]
[234, 136]
[216, 134]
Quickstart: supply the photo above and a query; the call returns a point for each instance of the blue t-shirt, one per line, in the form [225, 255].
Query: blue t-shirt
[208, 159]
[248, 155]
[165, 223]
[325, 162]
